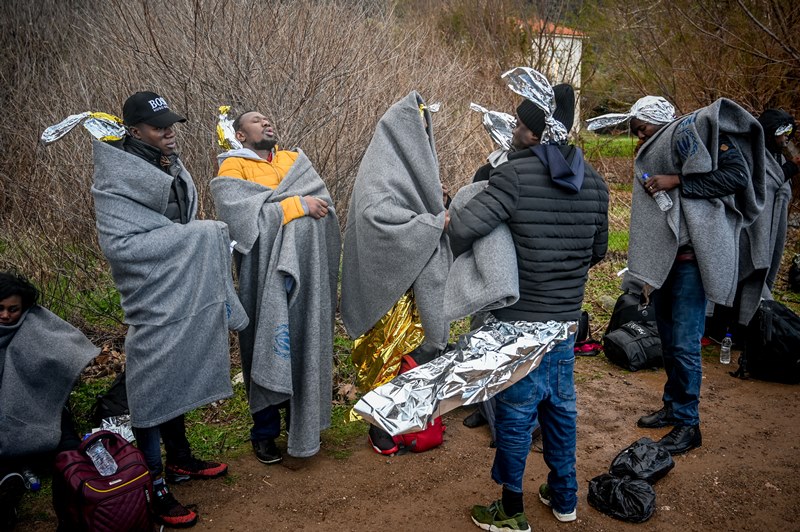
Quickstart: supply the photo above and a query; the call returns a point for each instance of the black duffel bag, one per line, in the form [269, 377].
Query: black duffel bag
[772, 345]
[634, 346]
[629, 308]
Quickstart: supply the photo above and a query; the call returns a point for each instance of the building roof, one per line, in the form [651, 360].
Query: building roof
[549, 28]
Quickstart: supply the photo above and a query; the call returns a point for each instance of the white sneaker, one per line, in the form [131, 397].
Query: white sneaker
[566, 518]
[544, 496]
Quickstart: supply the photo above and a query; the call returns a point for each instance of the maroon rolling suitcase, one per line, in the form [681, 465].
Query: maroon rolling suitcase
[85, 500]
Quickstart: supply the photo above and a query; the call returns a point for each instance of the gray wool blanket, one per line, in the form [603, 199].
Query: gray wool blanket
[756, 281]
[394, 239]
[287, 284]
[715, 226]
[485, 277]
[41, 357]
[175, 284]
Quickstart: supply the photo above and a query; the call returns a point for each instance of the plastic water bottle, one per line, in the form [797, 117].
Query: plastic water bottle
[663, 200]
[31, 480]
[103, 461]
[725, 350]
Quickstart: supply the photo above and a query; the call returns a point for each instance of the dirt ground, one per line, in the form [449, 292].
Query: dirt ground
[746, 476]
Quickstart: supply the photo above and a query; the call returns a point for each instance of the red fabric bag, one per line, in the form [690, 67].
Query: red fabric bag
[86, 500]
[423, 440]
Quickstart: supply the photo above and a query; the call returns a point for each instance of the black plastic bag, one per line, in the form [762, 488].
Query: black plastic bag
[112, 403]
[627, 499]
[644, 460]
[794, 274]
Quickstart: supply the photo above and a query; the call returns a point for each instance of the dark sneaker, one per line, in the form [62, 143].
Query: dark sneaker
[658, 419]
[169, 512]
[474, 420]
[382, 441]
[544, 496]
[194, 468]
[682, 439]
[494, 519]
[12, 487]
[267, 452]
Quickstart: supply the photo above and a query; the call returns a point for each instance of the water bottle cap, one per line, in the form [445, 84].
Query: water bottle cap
[645, 175]
[727, 335]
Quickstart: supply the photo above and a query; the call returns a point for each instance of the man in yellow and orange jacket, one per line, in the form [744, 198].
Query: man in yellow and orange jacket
[261, 161]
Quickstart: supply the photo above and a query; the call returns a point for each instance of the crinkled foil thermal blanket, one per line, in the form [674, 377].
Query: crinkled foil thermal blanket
[377, 353]
[102, 126]
[500, 126]
[226, 136]
[485, 362]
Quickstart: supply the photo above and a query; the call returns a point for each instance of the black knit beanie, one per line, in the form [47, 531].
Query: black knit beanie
[565, 104]
[532, 116]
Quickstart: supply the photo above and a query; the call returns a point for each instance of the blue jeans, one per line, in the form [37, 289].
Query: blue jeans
[173, 432]
[680, 306]
[549, 392]
[266, 424]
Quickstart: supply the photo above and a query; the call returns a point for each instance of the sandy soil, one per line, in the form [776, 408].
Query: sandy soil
[746, 476]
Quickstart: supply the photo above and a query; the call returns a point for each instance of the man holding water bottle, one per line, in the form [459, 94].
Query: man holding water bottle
[701, 188]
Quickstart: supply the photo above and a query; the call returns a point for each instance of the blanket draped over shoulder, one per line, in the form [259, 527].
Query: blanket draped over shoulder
[394, 238]
[176, 288]
[715, 226]
[41, 357]
[287, 284]
[485, 277]
[756, 281]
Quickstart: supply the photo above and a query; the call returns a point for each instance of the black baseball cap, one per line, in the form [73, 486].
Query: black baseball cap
[150, 108]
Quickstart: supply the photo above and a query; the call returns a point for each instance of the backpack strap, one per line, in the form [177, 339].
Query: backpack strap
[741, 371]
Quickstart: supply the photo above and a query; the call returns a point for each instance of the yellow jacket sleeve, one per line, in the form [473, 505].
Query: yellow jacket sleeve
[231, 167]
[292, 209]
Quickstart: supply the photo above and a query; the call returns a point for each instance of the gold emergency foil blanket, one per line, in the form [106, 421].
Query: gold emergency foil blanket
[226, 136]
[377, 353]
[484, 362]
[102, 126]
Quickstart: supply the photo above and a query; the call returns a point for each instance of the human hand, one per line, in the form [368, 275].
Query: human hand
[446, 219]
[657, 183]
[317, 208]
[445, 196]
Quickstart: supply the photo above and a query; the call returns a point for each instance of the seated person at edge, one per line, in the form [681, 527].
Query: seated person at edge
[41, 358]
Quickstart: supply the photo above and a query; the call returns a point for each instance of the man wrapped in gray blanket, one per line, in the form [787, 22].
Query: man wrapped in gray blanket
[287, 257]
[173, 275]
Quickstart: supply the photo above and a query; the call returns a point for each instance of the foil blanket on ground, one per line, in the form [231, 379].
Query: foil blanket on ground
[484, 362]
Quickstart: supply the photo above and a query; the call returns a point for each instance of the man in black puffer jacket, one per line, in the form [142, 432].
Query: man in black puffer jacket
[556, 206]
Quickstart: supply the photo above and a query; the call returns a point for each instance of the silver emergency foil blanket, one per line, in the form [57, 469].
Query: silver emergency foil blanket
[101, 126]
[500, 126]
[651, 109]
[485, 362]
[534, 86]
